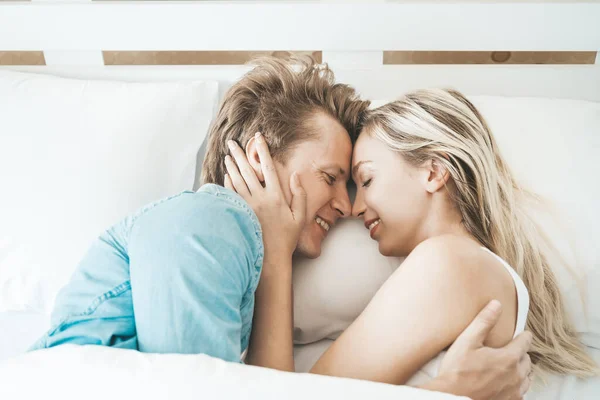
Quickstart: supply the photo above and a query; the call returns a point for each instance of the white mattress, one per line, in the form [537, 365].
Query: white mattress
[18, 330]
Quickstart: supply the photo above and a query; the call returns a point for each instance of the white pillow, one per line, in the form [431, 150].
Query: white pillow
[551, 145]
[332, 290]
[307, 355]
[78, 155]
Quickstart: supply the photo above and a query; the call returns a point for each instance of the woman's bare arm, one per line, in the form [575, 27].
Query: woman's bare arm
[417, 313]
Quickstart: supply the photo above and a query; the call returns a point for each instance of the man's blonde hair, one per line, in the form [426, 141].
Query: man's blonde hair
[278, 98]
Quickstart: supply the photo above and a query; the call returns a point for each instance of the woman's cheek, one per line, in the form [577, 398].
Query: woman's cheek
[371, 199]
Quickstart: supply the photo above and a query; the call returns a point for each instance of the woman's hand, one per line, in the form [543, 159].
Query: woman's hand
[281, 223]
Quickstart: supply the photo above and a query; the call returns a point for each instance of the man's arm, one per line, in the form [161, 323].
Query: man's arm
[271, 342]
[281, 219]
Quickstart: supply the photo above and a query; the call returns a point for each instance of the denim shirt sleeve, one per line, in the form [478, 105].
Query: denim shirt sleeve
[177, 276]
[250, 230]
[204, 300]
[238, 225]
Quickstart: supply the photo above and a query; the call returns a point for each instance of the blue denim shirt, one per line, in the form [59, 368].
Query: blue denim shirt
[177, 276]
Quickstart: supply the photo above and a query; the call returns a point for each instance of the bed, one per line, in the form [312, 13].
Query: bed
[51, 170]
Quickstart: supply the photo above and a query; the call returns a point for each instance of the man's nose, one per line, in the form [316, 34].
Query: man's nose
[341, 202]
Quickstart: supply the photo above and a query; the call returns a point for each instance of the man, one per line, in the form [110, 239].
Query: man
[181, 275]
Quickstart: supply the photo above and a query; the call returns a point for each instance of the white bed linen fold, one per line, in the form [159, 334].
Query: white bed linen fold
[93, 372]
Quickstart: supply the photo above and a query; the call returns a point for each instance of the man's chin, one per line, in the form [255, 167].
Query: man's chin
[310, 251]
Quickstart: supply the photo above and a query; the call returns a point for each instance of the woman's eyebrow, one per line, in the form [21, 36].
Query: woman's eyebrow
[358, 165]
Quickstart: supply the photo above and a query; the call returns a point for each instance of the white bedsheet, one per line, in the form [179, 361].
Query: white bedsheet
[569, 387]
[18, 330]
[556, 388]
[93, 372]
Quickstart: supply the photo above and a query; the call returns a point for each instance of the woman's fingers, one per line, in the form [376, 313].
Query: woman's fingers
[236, 179]
[266, 162]
[246, 170]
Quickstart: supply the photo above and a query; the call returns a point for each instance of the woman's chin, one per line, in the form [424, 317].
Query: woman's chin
[385, 250]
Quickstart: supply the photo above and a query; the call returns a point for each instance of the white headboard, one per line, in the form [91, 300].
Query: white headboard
[351, 34]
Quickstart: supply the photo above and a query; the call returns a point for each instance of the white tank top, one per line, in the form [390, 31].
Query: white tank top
[431, 369]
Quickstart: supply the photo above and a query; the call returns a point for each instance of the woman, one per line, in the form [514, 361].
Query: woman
[433, 187]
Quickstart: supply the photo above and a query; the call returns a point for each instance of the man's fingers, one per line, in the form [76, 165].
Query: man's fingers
[236, 179]
[525, 373]
[526, 385]
[267, 164]
[228, 183]
[519, 346]
[525, 365]
[246, 170]
[298, 205]
[477, 331]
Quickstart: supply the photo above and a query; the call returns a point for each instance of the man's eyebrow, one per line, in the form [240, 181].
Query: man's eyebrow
[358, 165]
[341, 171]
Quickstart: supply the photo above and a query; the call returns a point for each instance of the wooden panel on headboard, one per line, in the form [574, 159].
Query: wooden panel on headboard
[194, 57]
[389, 57]
[22, 58]
[489, 57]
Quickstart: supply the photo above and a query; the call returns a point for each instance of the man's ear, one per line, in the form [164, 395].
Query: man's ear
[254, 159]
[437, 176]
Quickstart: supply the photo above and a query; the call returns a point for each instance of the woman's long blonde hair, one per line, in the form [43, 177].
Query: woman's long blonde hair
[443, 126]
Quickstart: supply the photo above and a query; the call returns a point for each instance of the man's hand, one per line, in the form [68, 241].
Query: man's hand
[271, 341]
[281, 222]
[473, 370]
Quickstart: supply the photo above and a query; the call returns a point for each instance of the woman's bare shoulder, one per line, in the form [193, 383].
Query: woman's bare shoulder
[461, 255]
[463, 266]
